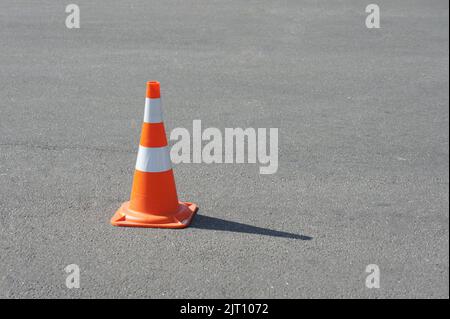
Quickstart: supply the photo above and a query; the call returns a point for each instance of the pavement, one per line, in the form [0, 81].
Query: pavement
[363, 172]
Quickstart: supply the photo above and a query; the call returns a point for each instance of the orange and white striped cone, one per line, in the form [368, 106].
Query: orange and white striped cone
[154, 200]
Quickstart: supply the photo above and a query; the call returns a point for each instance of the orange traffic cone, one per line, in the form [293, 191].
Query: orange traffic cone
[154, 201]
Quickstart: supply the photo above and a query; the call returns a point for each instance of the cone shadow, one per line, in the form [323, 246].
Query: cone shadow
[213, 223]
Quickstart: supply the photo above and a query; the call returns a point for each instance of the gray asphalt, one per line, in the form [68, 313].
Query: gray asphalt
[364, 148]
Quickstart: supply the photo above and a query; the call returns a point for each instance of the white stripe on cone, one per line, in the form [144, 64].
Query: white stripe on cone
[153, 112]
[153, 159]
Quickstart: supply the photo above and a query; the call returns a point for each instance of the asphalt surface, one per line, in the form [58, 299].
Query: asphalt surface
[363, 172]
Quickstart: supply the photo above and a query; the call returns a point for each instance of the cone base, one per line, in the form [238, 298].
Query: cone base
[180, 219]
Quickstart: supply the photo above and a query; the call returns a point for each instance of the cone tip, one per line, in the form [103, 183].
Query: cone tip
[153, 91]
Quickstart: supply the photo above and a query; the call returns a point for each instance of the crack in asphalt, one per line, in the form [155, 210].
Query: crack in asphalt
[67, 147]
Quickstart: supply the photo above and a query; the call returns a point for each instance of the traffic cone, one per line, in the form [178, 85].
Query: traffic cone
[154, 201]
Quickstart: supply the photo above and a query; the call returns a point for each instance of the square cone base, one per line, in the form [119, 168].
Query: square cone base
[180, 219]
